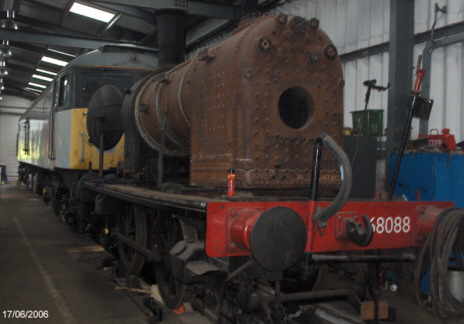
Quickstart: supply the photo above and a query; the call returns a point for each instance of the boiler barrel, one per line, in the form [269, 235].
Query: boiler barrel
[254, 102]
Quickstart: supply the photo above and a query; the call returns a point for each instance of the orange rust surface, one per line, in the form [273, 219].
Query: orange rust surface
[222, 106]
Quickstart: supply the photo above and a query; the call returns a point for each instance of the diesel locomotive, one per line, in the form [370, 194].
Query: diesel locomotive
[260, 113]
[53, 149]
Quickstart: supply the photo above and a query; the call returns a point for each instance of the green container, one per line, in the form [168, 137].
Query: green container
[373, 122]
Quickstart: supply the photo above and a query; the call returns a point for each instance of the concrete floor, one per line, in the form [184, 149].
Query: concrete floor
[47, 266]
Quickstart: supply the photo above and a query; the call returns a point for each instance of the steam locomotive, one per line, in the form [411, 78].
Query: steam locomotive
[210, 172]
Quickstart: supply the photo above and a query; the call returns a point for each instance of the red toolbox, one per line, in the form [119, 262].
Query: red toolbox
[445, 140]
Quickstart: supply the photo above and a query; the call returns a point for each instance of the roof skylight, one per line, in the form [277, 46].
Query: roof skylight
[46, 71]
[54, 61]
[41, 77]
[60, 52]
[32, 89]
[32, 84]
[94, 13]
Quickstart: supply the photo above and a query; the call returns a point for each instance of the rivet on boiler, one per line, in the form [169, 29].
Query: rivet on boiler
[248, 74]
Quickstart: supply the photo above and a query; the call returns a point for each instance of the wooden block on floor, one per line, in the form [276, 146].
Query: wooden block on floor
[368, 310]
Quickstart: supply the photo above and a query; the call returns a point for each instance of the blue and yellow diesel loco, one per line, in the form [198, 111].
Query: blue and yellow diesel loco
[53, 145]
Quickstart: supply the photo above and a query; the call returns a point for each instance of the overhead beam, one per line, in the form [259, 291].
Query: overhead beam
[191, 7]
[16, 77]
[47, 27]
[129, 11]
[20, 68]
[61, 40]
[38, 51]
[13, 84]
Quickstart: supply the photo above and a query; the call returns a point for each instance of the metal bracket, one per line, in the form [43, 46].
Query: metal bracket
[182, 5]
[349, 228]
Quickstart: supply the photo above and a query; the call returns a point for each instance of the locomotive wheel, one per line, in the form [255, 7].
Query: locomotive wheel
[167, 233]
[132, 224]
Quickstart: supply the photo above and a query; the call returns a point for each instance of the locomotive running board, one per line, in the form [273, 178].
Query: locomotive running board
[152, 198]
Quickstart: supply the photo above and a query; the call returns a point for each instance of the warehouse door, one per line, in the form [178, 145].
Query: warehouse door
[8, 130]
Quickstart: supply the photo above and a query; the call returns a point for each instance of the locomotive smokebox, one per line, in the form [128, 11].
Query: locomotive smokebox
[103, 117]
[254, 102]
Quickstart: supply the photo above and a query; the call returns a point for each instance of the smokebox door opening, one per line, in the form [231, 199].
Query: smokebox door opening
[295, 107]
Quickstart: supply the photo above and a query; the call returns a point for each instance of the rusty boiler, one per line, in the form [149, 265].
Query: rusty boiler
[253, 102]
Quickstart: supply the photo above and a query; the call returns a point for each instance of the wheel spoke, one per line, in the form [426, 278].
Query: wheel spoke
[132, 224]
[167, 234]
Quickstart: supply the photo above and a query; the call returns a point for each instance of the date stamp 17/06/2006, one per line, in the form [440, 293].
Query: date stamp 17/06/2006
[25, 314]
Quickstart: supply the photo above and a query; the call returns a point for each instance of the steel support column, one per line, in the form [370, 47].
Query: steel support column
[171, 36]
[400, 73]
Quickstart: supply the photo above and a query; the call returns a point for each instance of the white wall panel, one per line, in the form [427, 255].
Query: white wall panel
[362, 75]
[328, 12]
[351, 39]
[385, 80]
[364, 23]
[386, 20]
[8, 130]
[375, 72]
[437, 89]
[349, 95]
[376, 17]
[15, 106]
[355, 73]
[422, 17]
[424, 12]
[351, 24]
[453, 89]
[447, 81]
[340, 34]
[455, 11]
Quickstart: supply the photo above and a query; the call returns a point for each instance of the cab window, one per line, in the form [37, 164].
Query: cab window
[64, 91]
[90, 80]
